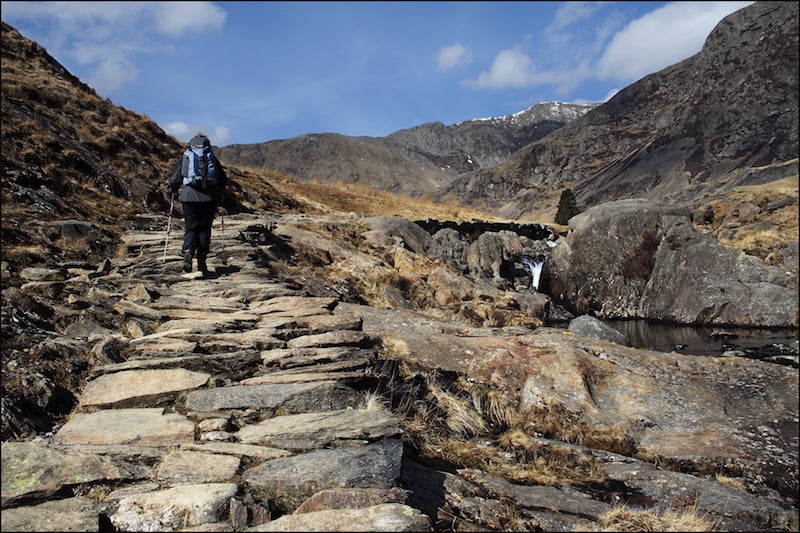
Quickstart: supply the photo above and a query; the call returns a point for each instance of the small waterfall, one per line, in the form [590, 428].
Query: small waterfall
[534, 265]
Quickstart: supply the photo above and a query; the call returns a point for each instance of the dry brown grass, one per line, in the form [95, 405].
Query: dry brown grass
[467, 425]
[518, 458]
[621, 518]
[766, 231]
[734, 483]
[368, 201]
[373, 401]
[555, 421]
[462, 416]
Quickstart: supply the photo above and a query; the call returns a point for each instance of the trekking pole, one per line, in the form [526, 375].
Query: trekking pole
[169, 225]
[222, 231]
[222, 234]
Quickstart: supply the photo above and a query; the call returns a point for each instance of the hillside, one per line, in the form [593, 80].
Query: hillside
[68, 154]
[414, 162]
[725, 117]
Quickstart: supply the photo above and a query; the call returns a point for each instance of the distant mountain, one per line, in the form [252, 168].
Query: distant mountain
[724, 117]
[416, 161]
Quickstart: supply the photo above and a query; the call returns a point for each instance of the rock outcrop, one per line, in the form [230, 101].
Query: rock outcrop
[637, 259]
[726, 116]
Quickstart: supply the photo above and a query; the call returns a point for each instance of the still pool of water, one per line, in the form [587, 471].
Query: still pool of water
[758, 343]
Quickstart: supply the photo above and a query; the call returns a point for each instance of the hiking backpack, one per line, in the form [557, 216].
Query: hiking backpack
[199, 168]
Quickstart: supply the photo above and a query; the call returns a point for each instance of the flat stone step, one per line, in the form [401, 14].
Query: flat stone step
[308, 431]
[138, 388]
[139, 426]
[290, 397]
[35, 469]
[173, 508]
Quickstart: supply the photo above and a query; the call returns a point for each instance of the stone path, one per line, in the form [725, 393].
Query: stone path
[247, 406]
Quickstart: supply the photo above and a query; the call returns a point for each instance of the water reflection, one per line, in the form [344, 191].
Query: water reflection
[697, 340]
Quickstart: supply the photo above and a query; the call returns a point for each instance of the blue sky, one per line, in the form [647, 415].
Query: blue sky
[250, 72]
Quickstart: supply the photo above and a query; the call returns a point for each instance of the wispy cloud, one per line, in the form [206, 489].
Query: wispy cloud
[661, 38]
[605, 49]
[182, 131]
[452, 57]
[107, 36]
[511, 68]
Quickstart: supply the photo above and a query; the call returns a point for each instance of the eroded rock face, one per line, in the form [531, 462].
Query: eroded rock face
[637, 259]
[737, 414]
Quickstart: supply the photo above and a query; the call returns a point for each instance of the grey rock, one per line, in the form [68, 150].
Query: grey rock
[188, 467]
[382, 517]
[140, 426]
[36, 470]
[636, 259]
[139, 388]
[308, 431]
[68, 514]
[292, 397]
[174, 508]
[289, 481]
[590, 326]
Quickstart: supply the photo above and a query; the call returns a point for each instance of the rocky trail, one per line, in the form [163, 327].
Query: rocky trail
[250, 399]
[254, 399]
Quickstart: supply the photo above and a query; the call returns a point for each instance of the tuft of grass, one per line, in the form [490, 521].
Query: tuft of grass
[373, 401]
[463, 417]
[73, 247]
[734, 483]
[621, 518]
[459, 425]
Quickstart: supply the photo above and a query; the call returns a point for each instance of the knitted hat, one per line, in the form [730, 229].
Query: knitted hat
[199, 141]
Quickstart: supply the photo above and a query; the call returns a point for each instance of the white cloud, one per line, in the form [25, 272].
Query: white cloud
[511, 68]
[613, 52]
[611, 94]
[176, 18]
[661, 38]
[111, 74]
[453, 56]
[218, 135]
[107, 36]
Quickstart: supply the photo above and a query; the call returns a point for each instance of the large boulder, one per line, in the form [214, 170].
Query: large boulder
[638, 259]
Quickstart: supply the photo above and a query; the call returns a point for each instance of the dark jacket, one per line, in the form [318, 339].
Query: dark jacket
[190, 194]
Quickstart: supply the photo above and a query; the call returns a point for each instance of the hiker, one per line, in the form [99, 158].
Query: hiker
[203, 179]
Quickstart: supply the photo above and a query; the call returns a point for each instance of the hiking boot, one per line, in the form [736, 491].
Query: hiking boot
[187, 261]
[201, 265]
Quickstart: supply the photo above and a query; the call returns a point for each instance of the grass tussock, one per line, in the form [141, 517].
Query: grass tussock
[621, 518]
[373, 401]
[762, 233]
[555, 421]
[731, 482]
[469, 426]
[462, 415]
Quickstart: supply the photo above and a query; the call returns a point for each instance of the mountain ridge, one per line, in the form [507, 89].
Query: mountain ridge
[414, 161]
[724, 117]
[676, 135]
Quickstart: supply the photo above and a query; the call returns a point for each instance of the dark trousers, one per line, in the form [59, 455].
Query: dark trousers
[197, 220]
